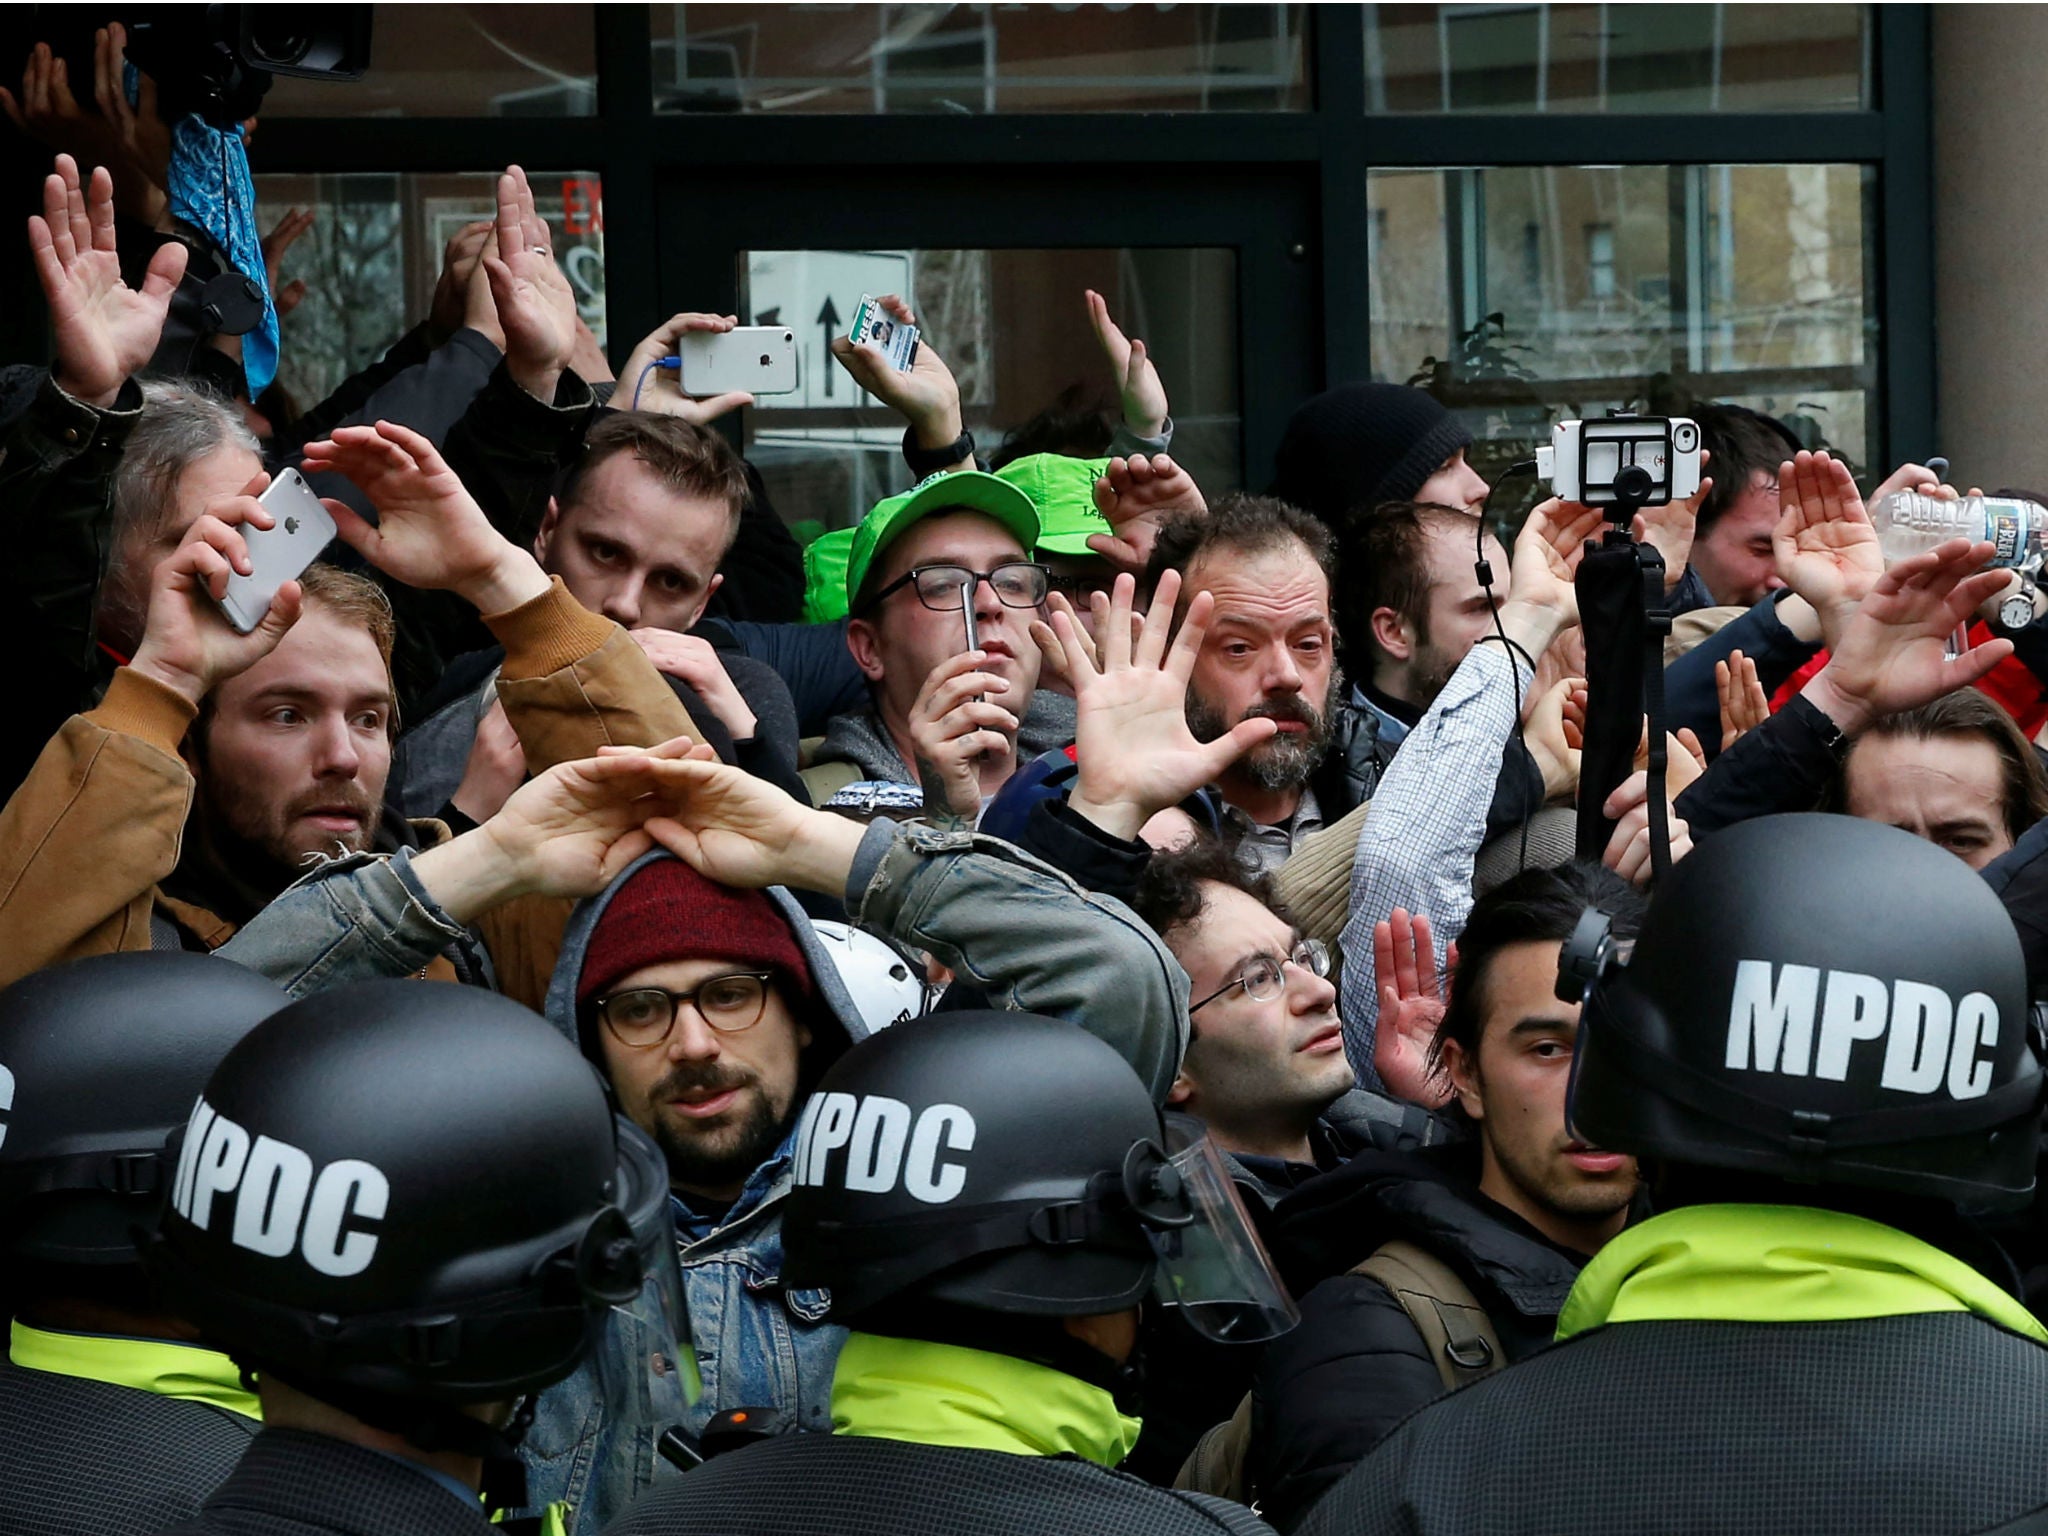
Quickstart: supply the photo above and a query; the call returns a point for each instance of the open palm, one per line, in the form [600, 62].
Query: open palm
[105, 330]
[429, 532]
[536, 305]
[1827, 551]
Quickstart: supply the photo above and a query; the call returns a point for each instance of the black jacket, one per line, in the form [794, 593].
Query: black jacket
[88, 1458]
[1356, 1366]
[291, 1483]
[853, 1486]
[1922, 1425]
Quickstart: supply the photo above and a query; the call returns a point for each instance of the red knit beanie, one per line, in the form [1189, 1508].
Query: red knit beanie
[667, 911]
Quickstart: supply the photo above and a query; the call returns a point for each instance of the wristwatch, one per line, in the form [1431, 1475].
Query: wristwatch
[929, 461]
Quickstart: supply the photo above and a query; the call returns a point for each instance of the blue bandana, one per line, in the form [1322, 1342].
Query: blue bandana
[211, 189]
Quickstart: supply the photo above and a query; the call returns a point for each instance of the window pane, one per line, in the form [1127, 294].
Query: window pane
[1528, 294]
[978, 59]
[1617, 58]
[373, 256]
[1012, 326]
[461, 61]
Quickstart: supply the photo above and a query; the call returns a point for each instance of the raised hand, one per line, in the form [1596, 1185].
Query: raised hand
[1669, 529]
[957, 729]
[926, 394]
[1556, 750]
[1136, 753]
[460, 262]
[1827, 550]
[496, 766]
[188, 645]
[1411, 1008]
[1135, 495]
[536, 305]
[1541, 600]
[429, 531]
[742, 831]
[661, 389]
[105, 329]
[1628, 849]
[282, 237]
[1893, 652]
[1138, 387]
[1743, 705]
[575, 828]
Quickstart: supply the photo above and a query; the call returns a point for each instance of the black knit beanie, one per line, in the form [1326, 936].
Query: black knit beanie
[1362, 444]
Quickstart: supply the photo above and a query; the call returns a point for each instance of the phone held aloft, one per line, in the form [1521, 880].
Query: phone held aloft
[748, 359]
[302, 528]
[1589, 462]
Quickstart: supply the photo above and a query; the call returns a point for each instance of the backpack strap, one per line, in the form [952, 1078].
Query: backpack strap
[1459, 1335]
[1216, 1464]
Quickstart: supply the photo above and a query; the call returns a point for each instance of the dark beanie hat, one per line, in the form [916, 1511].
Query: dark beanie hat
[667, 911]
[1361, 444]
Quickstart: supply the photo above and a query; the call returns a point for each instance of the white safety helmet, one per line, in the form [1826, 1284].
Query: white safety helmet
[887, 986]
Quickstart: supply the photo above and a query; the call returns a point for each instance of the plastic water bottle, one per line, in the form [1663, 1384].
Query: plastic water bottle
[1909, 524]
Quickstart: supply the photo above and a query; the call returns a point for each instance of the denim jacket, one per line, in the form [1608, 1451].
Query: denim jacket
[1026, 935]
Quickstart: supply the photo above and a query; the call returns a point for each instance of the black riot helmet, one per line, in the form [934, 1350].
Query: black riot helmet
[1008, 1163]
[1818, 999]
[99, 1062]
[402, 1192]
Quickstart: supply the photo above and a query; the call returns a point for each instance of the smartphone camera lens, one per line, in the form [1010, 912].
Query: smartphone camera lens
[1686, 438]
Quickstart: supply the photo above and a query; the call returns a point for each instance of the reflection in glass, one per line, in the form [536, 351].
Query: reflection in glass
[373, 256]
[978, 59]
[1524, 293]
[462, 61]
[1013, 327]
[1617, 58]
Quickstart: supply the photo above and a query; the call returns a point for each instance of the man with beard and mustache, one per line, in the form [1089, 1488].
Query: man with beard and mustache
[1270, 653]
[220, 765]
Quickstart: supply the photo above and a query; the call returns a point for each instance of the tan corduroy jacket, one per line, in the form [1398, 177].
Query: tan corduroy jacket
[99, 821]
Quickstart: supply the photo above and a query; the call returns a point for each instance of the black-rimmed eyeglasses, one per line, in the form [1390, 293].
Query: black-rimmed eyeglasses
[944, 588]
[646, 1016]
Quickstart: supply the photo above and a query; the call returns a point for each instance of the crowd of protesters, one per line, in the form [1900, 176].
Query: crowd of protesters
[586, 1015]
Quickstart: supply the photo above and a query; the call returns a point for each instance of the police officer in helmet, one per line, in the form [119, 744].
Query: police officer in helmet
[989, 1197]
[114, 1417]
[1811, 1336]
[403, 1210]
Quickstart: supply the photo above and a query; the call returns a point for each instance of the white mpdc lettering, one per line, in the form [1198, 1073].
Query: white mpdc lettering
[1804, 1020]
[280, 1204]
[885, 1141]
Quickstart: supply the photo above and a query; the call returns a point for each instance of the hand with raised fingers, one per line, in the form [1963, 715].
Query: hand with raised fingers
[496, 766]
[282, 237]
[1893, 652]
[1628, 851]
[1541, 599]
[536, 306]
[1138, 387]
[1827, 551]
[1411, 1008]
[429, 533]
[661, 389]
[139, 149]
[1135, 496]
[188, 645]
[1743, 705]
[105, 330]
[1131, 740]
[694, 660]
[1556, 754]
[461, 261]
[957, 728]
[925, 394]
[1669, 529]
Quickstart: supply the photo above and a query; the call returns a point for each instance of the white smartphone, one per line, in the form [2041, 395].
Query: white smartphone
[1586, 458]
[279, 553]
[760, 359]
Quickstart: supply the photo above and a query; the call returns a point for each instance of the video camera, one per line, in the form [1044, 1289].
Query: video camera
[218, 60]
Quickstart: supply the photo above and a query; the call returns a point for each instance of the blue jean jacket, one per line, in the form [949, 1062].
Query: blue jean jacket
[757, 1347]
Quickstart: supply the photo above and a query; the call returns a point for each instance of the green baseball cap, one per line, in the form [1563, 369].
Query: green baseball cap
[958, 490]
[1063, 490]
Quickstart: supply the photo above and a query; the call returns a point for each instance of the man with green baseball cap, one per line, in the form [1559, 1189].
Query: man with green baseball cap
[946, 560]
